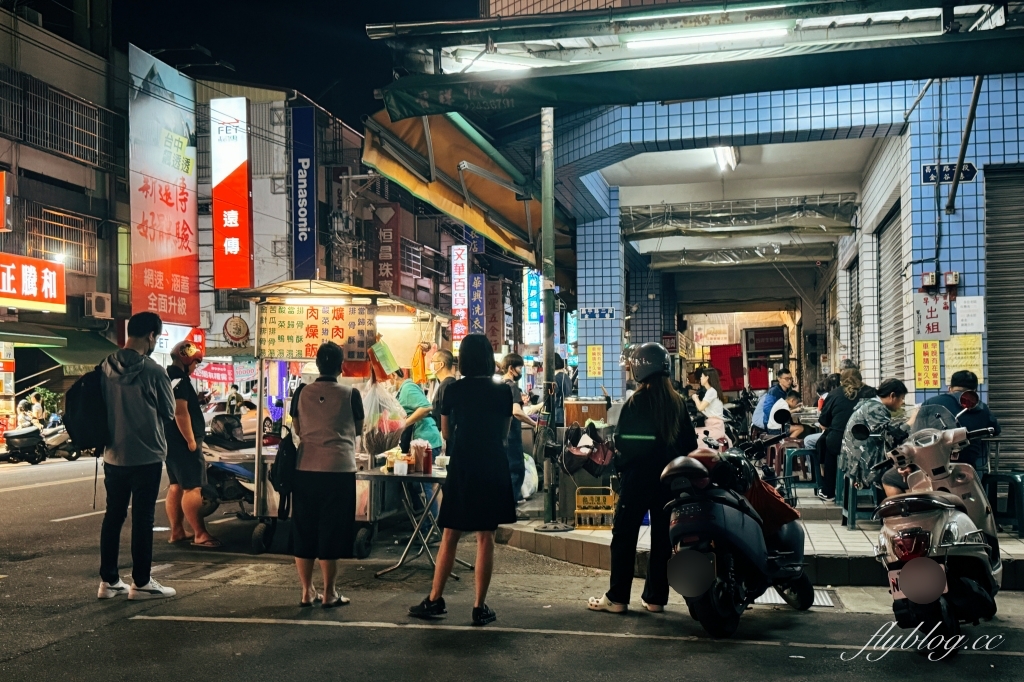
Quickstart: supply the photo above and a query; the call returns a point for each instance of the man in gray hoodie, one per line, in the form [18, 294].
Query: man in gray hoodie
[139, 402]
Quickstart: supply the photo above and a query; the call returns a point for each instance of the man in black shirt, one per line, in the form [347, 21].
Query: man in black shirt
[980, 417]
[186, 468]
[442, 363]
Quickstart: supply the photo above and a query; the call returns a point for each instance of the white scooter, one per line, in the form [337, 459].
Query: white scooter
[944, 516]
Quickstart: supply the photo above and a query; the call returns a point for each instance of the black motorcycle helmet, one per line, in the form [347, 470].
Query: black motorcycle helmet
[649, 359]
[733, 472]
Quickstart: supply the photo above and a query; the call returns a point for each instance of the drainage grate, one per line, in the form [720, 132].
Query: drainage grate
[772, 598]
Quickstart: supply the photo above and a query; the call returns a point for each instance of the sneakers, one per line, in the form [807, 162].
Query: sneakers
[482, 615]
[430, 609]
[108, 591]
[825, 497]
[151, 590]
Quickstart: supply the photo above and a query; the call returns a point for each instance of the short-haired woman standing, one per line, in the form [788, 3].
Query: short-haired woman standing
[326, 418]
[475, 417]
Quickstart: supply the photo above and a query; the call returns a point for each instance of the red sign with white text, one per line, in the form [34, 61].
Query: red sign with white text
[232, 194]
[215, 372]
[32, 284]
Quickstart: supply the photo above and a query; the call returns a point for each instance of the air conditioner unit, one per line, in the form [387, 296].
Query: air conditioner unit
[97, 305]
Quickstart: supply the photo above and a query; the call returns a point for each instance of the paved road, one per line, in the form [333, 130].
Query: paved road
[236, 616]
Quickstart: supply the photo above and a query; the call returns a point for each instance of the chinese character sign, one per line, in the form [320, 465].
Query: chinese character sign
[297, 332]
[963, 351]
[970, 314]
[232, 192]
[494, 314]
[531, 299]
[931, 317]
[31, 284]
[164, 209]
[460, 292]
[926, 364]
[595, 362]
[477, 304]
[387, 220]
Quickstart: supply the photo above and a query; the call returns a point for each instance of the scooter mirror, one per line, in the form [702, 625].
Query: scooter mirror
[783, 417]
[969, 400]
[860, 431]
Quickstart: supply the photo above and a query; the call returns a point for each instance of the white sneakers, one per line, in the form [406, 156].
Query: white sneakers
[151, 590]
[108, 591]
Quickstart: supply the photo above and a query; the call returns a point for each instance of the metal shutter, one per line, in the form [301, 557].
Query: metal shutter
[854, 307]
[890, 299]
[1004, 292]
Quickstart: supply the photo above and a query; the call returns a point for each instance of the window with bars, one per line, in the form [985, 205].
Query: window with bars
[51, 234]
[124, 265]
[412, 259]
[227, 301]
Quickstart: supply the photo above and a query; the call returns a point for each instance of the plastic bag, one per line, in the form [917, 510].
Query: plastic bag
[532, 481]
[384, 419]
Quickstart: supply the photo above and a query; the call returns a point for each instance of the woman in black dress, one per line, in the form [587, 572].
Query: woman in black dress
[835, 413]
[475, 417]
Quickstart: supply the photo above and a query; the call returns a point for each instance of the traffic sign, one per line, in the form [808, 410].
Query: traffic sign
[931, 172]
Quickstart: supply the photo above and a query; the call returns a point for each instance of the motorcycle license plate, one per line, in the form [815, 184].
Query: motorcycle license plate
[894, 584]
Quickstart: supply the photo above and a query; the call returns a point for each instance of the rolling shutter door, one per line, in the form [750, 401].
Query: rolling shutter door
[890, 299]
[1004, 297]
[854, 306]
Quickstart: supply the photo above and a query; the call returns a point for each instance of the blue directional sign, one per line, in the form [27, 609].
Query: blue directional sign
[944, 172]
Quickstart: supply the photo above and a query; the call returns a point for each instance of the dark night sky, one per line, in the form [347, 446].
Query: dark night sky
[302, 44]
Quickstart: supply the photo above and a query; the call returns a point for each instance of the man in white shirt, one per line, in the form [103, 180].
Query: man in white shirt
[791, 403]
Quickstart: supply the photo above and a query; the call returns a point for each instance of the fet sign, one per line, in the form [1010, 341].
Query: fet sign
[32, 284]
[232, 192]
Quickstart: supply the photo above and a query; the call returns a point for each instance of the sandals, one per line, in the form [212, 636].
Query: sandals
[316, 597]
[602, 603]
[212, 543]
[338, 601]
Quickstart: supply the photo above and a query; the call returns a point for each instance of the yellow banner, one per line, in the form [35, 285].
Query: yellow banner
[963, 351]
[927, 364]
[595, 362]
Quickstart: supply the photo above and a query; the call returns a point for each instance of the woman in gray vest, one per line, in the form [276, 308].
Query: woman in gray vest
[326, 418]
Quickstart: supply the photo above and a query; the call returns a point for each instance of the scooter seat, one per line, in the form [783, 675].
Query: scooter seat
[911, 503]
[21, 433]
[687, 467]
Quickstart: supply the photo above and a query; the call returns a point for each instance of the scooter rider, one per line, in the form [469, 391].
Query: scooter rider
[653, 429]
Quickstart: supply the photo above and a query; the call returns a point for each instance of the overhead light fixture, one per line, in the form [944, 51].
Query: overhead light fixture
[757, 34]
[316, 301]
[496, 62]
[57, 258]
[692, 13]
[727, 157]
[393, 321]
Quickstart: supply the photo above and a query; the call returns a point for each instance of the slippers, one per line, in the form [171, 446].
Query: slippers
[338, 601]
[316, 597]
[605, 604]
[181, 541]
[212, 543]
[653, 608]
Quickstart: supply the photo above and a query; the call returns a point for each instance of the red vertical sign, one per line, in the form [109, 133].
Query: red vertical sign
[232, 194]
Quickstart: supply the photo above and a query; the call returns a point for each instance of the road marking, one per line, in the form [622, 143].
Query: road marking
[48, 483]
[531, 631]
[95, 513]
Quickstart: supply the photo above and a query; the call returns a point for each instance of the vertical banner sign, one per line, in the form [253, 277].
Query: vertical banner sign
[387, 221]
[304, 194]
[931, 317]
[164, 209]
[926, 364]
[232, 193]
[477, 304]
[531, 296]
[572, 335]
[595, 362]
[460, 292]
[495, 314]
[963, 351]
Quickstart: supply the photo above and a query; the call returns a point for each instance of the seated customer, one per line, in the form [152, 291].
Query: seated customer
[791, 403]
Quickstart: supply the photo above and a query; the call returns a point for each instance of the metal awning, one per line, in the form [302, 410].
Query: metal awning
[692, 51]
[308, 291]
[84, 350]
[445, 162]
[25, 335]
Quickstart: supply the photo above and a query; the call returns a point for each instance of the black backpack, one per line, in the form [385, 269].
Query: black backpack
[282, 474]
[85, 413]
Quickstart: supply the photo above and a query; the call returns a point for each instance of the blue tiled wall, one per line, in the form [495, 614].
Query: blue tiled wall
[645, 321]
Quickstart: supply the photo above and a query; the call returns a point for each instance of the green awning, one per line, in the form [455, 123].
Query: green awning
[506, 95]
[26, 335]
[83, 352]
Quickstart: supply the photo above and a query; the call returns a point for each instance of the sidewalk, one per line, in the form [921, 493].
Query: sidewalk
[834, 555]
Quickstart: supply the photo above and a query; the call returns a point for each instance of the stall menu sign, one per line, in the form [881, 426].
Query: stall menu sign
[926, 364]
[297, 332]
[477, 304]
[494, 313]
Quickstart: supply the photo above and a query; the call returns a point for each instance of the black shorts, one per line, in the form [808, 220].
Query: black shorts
[894, 479]
[186, 469]
[323, 515]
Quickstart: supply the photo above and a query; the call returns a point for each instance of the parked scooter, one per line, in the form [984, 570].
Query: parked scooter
[35, 445]
[58, 440]
[945, 516]
[722, 560]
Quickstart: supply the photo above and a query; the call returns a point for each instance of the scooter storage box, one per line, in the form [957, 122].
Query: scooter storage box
[722, 522]
[23, 439]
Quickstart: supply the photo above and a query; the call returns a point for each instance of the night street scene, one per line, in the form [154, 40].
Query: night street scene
[511, 340]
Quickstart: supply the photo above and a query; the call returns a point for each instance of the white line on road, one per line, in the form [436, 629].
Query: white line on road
[95, 513]
[853, 648]
[48, 483]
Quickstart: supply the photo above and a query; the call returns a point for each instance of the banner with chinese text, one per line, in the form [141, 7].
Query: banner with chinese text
[232, 191]
[931, 317]
[494, 312]
[296, 332]
[164, 209]
[926, 364]
[963, 351]
[460, 292]
[387, 270]
[477, 304]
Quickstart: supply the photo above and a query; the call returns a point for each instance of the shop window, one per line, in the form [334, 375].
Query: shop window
[124, 265]
[55, 235]
[228, 301]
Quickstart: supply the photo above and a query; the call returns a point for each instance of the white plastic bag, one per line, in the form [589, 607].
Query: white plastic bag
[532, 481]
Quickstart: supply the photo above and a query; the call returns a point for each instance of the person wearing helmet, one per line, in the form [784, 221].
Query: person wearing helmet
[186, 468]
[654, 428]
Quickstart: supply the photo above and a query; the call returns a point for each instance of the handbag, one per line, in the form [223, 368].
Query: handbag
[282, 474]
[593, 456]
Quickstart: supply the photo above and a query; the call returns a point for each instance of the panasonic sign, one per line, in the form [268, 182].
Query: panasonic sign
[304, 194]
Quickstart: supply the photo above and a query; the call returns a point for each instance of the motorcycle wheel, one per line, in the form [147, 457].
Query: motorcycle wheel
[262, 537]
[72, 456]
[364, 538]
[717, 612]
[208, 507]
[799, 593]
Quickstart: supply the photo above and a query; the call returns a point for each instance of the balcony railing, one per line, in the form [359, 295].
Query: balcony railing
[50, 233]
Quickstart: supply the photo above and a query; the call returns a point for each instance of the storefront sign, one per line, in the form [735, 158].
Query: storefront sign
[970, 314]
[495, 314]
[236, 331]
[963, 351]
[595, 362]
[710, 335]
[670, 342]
[173, 334]
[297, 332]
[931, 317]
[765, 340]
[164, 208]
[387, 220]
[215, 372]
[477, 304]
[460, 292]
[31, 284]
[597, 313]
[531, 297]
[304, 193]
[926, 364]
[232, 193]
[475, 241]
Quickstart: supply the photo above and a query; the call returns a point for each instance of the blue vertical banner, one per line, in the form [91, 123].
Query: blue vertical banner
[477, 305]
[474, 240]
[304, 194]
[531, 324]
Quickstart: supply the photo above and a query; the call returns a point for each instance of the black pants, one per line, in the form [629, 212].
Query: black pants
[640, 491]
[138, 486]
[830, 460]
[516, 463]
[323, 515]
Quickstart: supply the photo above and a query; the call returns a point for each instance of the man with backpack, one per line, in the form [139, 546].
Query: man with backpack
[138, 399]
